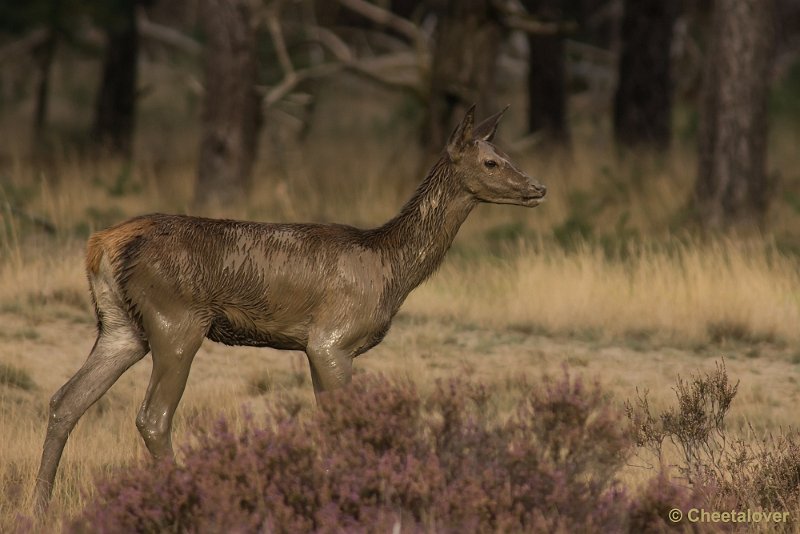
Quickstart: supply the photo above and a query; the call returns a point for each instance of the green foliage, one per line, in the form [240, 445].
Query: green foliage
[97, 218]
[261, 384]
[727, 331]
[792, 198]
[784, 101]
[578, 226]
[124, 182]
[502, 236]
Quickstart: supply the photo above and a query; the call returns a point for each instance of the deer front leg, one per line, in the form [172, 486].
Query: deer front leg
[331, 368]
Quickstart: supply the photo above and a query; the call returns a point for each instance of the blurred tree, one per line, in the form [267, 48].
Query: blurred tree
[231, 105]
[643, 100]
[732, 189]
[115, 107]
[467, 39]
[44, 25]
[547, 86]
[44, 57]
[409, 9]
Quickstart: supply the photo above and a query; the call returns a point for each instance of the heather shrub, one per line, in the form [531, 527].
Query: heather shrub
[762, 473]
[695, 427]
[377, 457]
[649, 511]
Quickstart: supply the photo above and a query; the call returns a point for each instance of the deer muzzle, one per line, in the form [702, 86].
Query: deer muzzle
[534, 194]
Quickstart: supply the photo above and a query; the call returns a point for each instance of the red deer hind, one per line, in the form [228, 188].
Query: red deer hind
[163, 283]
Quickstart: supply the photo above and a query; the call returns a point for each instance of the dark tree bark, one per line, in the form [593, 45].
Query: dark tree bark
[231, 106]
[44, 57]
[732, 189]
[547, 91]
[463, 70]
[547, 83]
[643, 101]
[407, 8]
[115, 107]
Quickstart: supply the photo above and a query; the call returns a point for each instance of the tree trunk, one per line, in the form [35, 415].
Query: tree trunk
[44, 57]
[231, 106]
[643, 101]
[547, 91]
[547, 84]
[732, 189]
[463, 70]
[116, 101]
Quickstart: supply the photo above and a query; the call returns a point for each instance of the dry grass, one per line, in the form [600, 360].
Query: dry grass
[224, 380]
[685, 293]
[601, 277]
[586, 262]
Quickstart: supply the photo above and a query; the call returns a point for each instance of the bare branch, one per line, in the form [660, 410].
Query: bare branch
[534, 26]
[395, 71]
[402, 70]
[516, 17]
[388, 19]
[168, 36]
[594, 54]
[273, 95]
[332, 42]
[272, 16]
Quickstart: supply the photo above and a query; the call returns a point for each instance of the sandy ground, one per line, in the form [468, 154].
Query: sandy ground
[225, 379]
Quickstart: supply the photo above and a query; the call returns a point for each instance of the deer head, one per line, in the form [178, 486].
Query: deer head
[485, 171]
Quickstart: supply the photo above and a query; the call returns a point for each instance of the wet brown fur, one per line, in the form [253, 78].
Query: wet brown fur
[112, 241]
[163, 283]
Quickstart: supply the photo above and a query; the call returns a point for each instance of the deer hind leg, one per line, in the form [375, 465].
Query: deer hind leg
[174, 342]
[118, 346]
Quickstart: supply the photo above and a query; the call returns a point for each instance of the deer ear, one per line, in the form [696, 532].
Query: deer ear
[462, 135]
[488, 127]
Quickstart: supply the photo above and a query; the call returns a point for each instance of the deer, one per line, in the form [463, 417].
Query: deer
[164, 283]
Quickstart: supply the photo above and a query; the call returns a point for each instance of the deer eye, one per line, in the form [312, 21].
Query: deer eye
[490, 163]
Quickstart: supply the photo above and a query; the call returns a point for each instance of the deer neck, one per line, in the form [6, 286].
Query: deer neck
[415, 242]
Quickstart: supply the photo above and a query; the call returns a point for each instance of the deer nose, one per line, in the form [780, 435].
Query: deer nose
[538, 188]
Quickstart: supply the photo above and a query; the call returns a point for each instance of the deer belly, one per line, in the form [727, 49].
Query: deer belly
[244, 331]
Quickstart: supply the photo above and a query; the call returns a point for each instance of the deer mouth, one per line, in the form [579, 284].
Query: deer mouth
[533, 195]
[531, 201]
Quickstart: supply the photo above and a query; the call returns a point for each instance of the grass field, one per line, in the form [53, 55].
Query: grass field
[605, 277]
